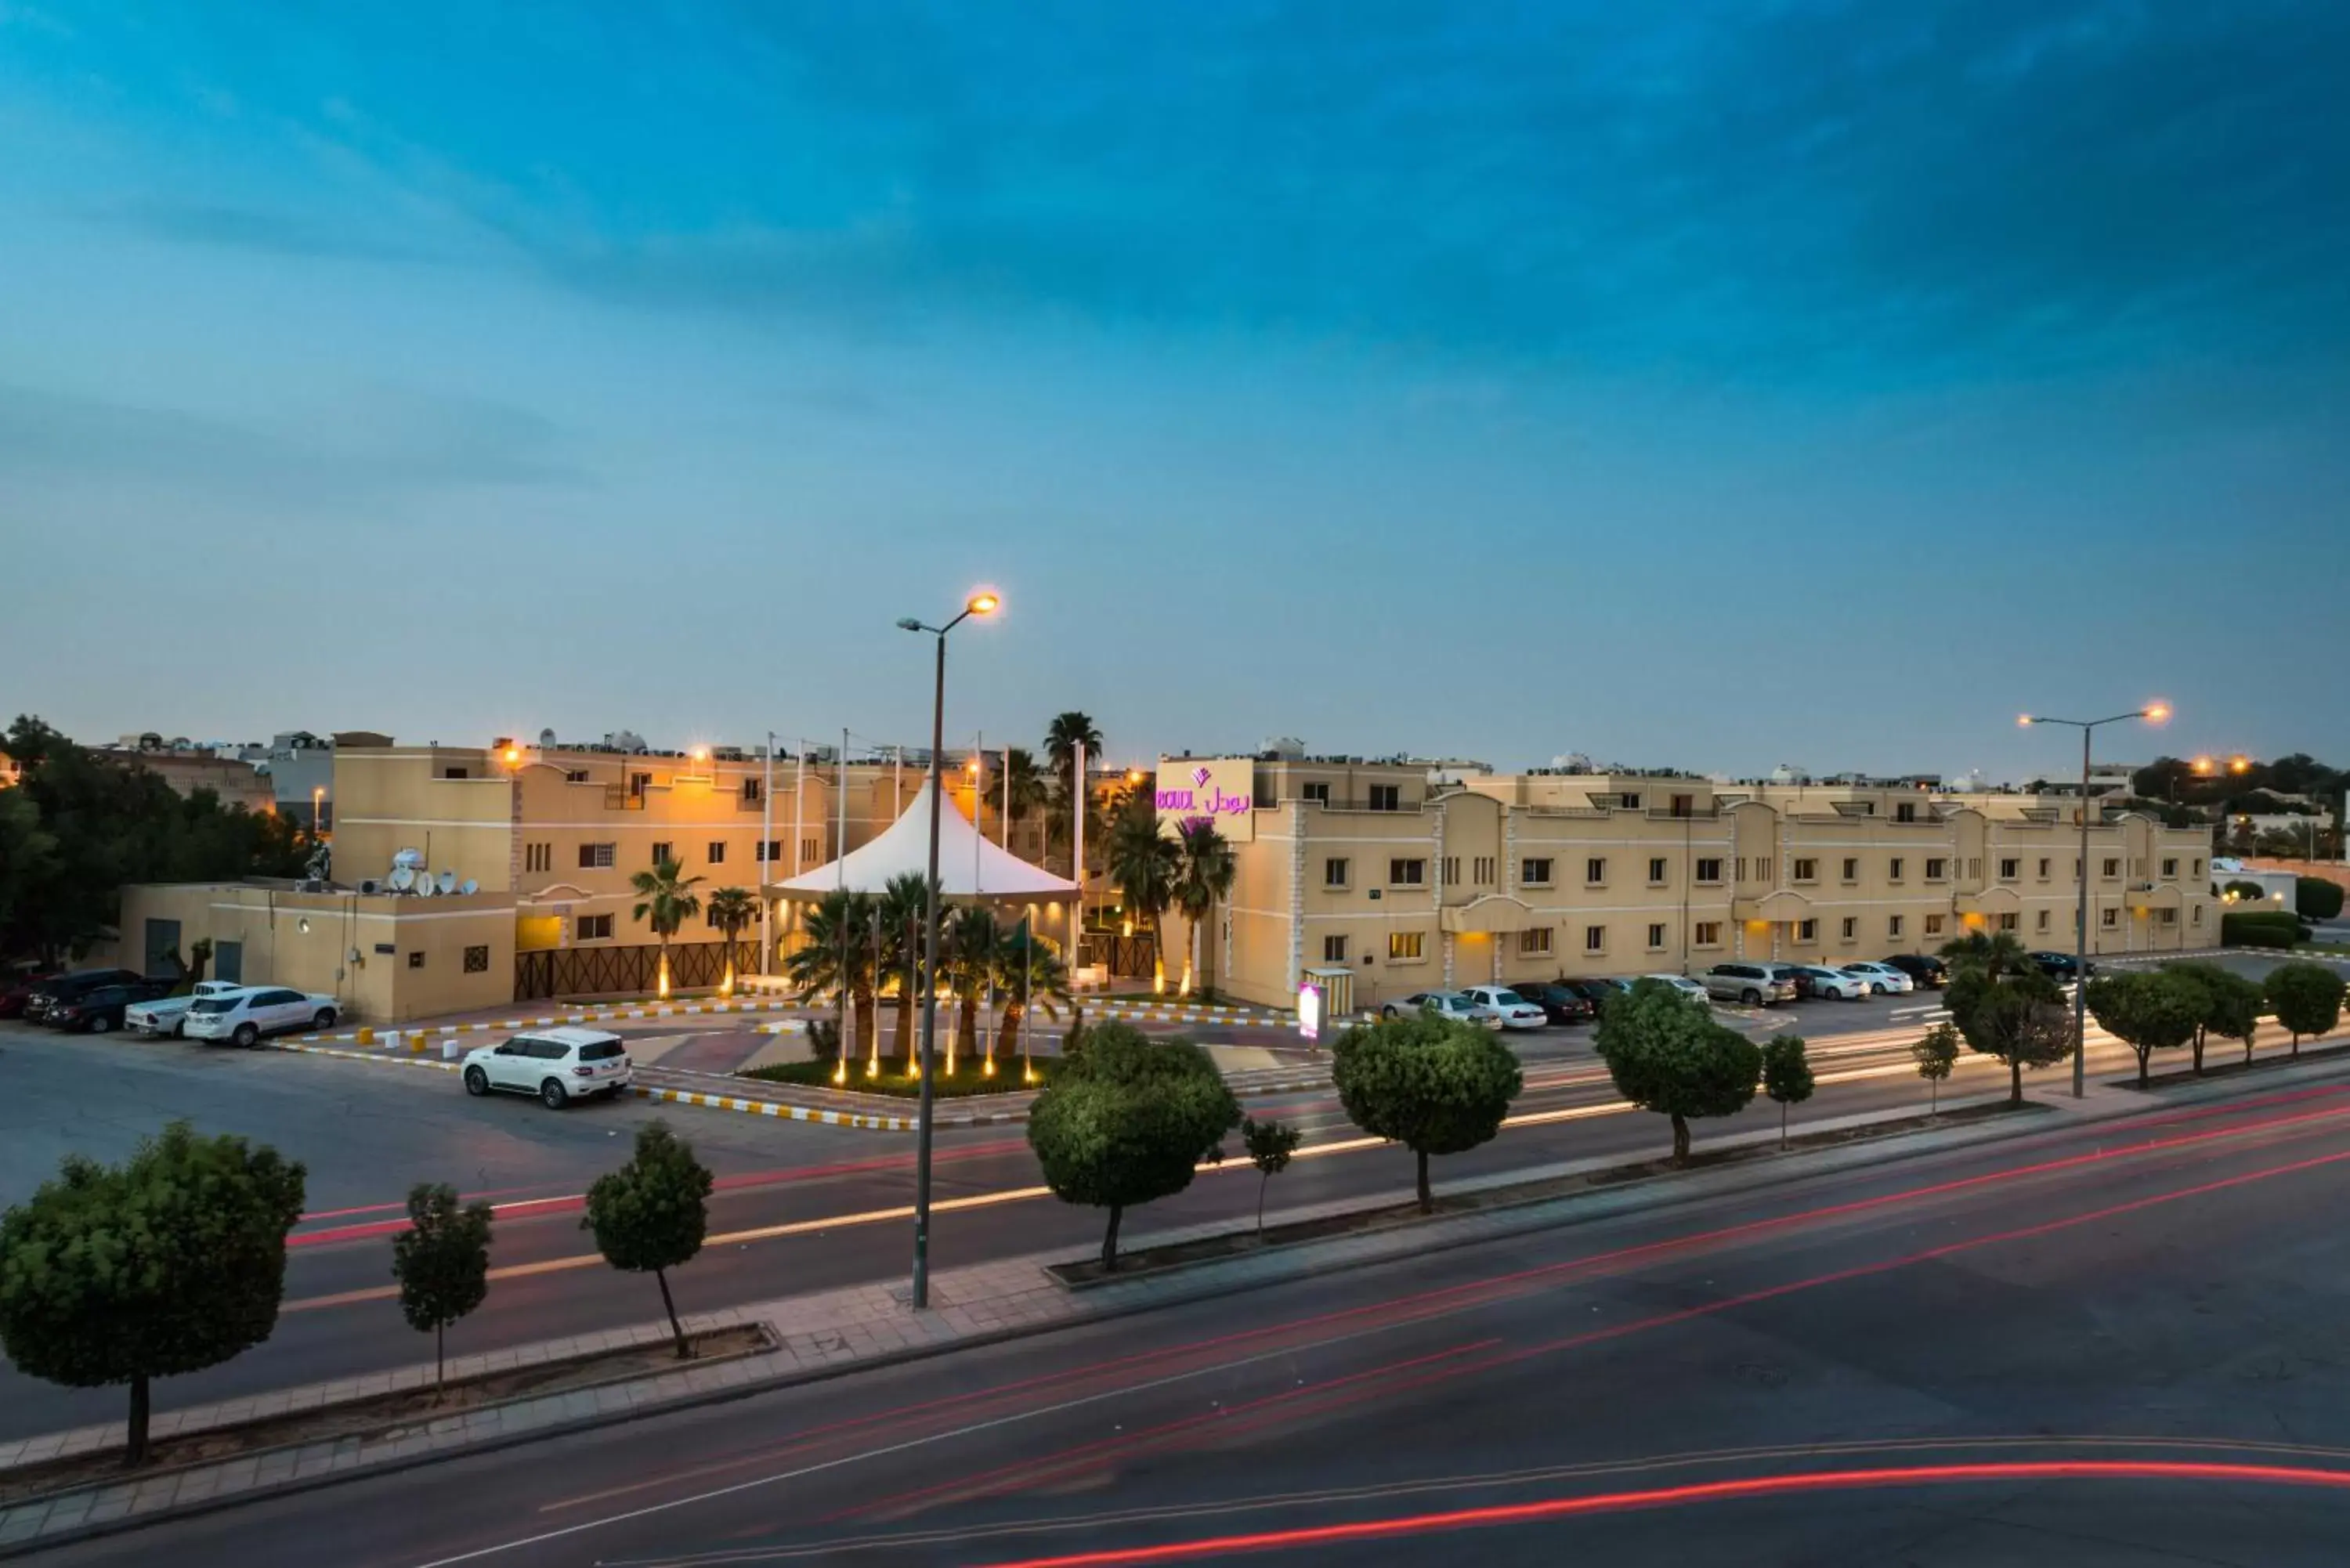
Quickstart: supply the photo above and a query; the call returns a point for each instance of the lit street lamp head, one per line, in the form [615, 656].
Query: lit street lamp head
[907, 623]
[983, 603]
[2027, 719]
[2156, 713]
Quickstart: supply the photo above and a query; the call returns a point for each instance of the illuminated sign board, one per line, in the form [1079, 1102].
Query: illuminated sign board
[1222, 790]
[1309, 1011]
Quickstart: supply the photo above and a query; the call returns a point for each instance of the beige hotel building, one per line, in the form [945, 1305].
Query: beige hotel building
[1379, 879]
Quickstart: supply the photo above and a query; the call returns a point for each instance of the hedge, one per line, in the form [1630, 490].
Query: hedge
[2260, 930]
[2317, 898]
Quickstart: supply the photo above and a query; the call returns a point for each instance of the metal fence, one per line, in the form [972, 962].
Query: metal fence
[625, 971]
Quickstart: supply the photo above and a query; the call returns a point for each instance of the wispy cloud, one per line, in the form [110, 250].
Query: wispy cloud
[268, 234]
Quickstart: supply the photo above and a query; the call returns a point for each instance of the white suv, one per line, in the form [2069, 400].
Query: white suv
[558, 1065]
[166, 1013]
[242, 1017]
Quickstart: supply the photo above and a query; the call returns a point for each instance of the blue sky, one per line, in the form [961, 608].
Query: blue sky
[1704, 384]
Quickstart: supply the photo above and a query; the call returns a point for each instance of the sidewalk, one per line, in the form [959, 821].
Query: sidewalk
[829, 1333]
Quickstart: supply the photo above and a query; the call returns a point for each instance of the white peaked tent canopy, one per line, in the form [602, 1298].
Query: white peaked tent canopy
[968, 866]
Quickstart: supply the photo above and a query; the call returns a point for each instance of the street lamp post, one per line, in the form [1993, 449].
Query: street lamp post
[2153, 713]
[979, 604]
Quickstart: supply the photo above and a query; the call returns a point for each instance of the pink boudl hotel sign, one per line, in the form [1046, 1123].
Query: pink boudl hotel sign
[1203, 799]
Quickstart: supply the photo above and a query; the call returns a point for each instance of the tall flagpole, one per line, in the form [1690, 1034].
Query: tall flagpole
[765, 858]
[1077, 864]
[1005, 827]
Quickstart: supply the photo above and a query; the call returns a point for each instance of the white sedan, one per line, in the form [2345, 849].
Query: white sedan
[1514, 1010]
[1840, 983]
[1453, 1005]
[165, 1014]
[242, 1016]
[1883, 977]
[1681, 984]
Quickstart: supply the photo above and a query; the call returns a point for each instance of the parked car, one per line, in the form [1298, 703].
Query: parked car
[1514, 1010]
[1883, 979]
[558, 1065]
[2062, 967]
[1598, 991]
[241, 1017]
[1755, 985]
[66, 986]
[1926, 972]
[99, 1009]
[1560, 1001]
[1683, 984]
[1453, 1005]
[1817, 980]
[164, 1014]
[15, 991]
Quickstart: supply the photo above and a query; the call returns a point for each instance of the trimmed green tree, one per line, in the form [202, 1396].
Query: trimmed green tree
[1434, 1085]
[2306, 999]
[2004, 1007]
[1270, 1145]
[1937, 1055]
[2227, 1004]
[1668, 1054]
[650, 1215]
[2315, 898]
[2146, 1012]
[2244, 892]
[1786, 1075]
[168, 1263]
[442, 1263]
[1127, 1121]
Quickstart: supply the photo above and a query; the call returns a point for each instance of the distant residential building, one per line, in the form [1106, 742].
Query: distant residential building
[189, 768]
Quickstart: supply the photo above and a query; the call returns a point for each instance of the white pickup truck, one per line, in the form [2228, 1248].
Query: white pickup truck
[166, 1015]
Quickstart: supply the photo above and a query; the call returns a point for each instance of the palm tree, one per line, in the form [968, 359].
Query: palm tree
[1994, 954]
[668, 901]
[967, 945]
[1030, 973]
[731, 910]
[905, 903]
[1025, 786]
[1203, 878]
[1066, 732]
[1144, 863]
[837, 954]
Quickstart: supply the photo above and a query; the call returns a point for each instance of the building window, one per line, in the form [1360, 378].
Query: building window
[1403, 947]
[1334, 948]
[575, 775]
[1387, 797]
[1535, 873]
[1453, 870]
[1595, 871]
[1933, 925]
[1594, 939]
[1742, 869]
[1318, 793]
[661, 851]
[1893, 926]
[1657, 938]
[2165, 917]
[1807, 870]
[594, 928]
[1658, 874]
[2199, 870]
[596, 856]
[1708, 870]
[1936, 868]
[1852, 868]
[2042, 923]
[1480, 870]
[2008, 921]
[2009, 869]
[416, 959]
[718, 852]
[2109, 918]
[1708, 934]
[1893, 869]
[2113, 870]
[1765, 868]
[1534, 943]
[1905, 811]
[2198, 910]
[1407, 874]
[1629, 800]
[768, 851]
[539, 857]
[2169, 870]
[750, 788]
[1974, 867]
[2044, 869]
[1334, 871]
[1807, 930]
[811, 850]
[477, 959]
[1684, 805]
[1851, 929]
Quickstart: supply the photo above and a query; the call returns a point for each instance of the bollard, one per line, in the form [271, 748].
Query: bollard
[364, 1037]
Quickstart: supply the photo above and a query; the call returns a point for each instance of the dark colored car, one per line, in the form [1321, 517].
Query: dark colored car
[2060, 967]
[1560, 1001]
[98, 1010]
[1599, 992]
[14, 994]
[67, 987]
[1930, 973]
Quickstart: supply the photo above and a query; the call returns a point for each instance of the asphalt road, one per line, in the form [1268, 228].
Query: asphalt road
[800, 1207]
[2110, 1345]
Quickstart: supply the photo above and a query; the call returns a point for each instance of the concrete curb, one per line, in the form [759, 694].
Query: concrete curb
[1665, 1193]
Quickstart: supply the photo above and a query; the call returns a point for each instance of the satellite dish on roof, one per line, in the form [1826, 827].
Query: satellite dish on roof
[469, 885]
[424, 888]
[402, 878]
[448, 881]
[410, 859]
